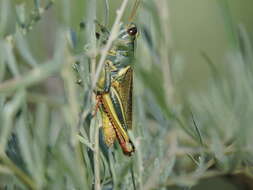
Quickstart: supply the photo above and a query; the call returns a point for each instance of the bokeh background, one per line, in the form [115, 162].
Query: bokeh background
[192, 96]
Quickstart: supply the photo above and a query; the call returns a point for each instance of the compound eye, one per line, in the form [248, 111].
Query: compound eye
[132, 31]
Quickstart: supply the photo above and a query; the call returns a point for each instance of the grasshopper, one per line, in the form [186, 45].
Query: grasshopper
[115, 86]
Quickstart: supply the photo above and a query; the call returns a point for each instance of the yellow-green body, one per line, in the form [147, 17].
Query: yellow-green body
[114, 89]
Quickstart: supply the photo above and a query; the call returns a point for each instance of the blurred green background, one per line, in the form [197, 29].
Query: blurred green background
[192, 96]
[196, 27]
[205, 26]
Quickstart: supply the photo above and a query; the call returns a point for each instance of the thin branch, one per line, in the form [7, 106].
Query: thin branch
[19, 173]
[106, 13]
[85, 142]
[108, 45]
[96, 160]
[197, 129]
[32, 77]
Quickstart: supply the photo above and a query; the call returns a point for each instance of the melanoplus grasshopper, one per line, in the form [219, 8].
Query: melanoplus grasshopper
[115, 86]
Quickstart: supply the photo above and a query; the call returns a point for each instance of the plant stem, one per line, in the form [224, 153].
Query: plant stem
[19, 173]
[108, 45]
[96, 160]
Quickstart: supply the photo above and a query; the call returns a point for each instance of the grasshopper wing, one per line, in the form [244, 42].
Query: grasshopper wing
[112, 107]
[124, 87]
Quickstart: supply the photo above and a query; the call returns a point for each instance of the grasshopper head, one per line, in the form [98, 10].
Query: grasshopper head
[129, 32]
[125, 42]
[132, 30]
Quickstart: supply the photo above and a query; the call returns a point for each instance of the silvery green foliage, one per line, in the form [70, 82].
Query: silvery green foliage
[182, 134]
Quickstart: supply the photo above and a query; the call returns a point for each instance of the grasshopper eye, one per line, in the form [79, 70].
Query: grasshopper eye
[132, 31]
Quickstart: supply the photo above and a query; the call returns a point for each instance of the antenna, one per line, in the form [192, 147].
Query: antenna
[134, 10]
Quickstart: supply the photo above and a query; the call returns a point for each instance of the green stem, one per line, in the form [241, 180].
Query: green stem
[18, 172]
